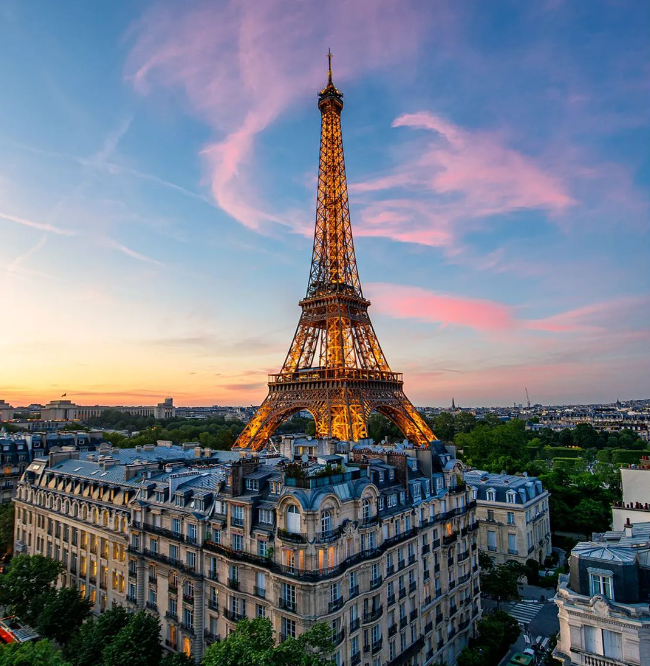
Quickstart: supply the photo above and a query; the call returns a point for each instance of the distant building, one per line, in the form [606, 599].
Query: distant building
[635, 506]
[66, 410]
[603, 603]
[513, 515]
[6, 411]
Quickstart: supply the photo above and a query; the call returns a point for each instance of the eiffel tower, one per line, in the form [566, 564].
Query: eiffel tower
[335, 368]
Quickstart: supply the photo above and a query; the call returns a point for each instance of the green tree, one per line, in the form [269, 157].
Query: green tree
[500, 583]
[62, 613]
[7, 513]
[471, 657]
[136, 644]
[443, 426]
[86, 645]
[252, 644]
[27, 580]
[590, 516]
[496, 632]
[484, 560]
[34, 653]
[464, 422]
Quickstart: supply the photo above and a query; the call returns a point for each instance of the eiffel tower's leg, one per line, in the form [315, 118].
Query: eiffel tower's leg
[404, 415]
[271, 413]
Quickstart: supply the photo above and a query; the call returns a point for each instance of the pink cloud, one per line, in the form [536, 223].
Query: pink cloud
[454, 181]
[241, 64]
[406, 302]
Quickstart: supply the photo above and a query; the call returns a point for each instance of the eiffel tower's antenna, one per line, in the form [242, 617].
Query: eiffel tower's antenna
[335, 367]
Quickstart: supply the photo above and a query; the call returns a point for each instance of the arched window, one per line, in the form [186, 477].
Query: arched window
[326, 523]
[491, 495]
[293, 519]
[511, 497]
[365, 510]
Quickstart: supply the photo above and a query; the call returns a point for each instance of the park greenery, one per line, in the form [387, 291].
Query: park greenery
[119, 637]
[7, 513]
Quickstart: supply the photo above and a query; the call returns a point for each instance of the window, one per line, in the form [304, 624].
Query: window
[262, 547]
[392, 501]
[492, 540]
[191, 559]
[511, 518]
[260, 584]
[491, 495]
[490, 515]
[188, 617]
[260, 611]
[237, 542]
[326, 523]
[293, 519]
[512, 544]
[511, 497]
[179, 500]
[266, 516]
[191, 533]
[288, 629]
[173, 552]
[252, 484]
[380, 503]
[601, 583]
[402, 497]
[613, 644]
[365, 510]
[176, 525]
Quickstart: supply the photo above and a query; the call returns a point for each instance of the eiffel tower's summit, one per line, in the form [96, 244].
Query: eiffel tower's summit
[335, 368]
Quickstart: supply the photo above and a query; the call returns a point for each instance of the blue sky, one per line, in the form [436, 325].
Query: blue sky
[157, 190]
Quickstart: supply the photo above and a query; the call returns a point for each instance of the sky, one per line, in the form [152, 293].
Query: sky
[158, 181]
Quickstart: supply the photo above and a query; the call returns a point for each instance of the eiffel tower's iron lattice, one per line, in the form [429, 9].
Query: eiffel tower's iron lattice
[335, 368]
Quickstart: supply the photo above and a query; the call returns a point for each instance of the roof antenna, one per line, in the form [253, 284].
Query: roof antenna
[329, 74]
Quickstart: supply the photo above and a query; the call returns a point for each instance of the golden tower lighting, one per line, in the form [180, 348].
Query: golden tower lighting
[335, 368]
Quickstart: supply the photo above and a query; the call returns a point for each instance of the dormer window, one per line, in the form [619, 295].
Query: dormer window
[511, 497]
[392, 501]
[402, 497]
[427, 487]
[600, 583]
[491, 495]
[252, 484]
[179, 500]
[391, 475]
[380, 503]
[365, 510]
[160, 496]
[416, 490]
[381, 477]
[199, 505]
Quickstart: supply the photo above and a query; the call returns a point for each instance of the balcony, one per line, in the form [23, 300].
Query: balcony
[236, 522]
[355, 624]
[213, 575]
[233, 583]
[338, 637]
[596, 660]
[426, 548]
[428, 627]
[400, 564]
[239, 555]
[151, 606]
[292, 537]
[189, 628]
[391, 600]
[436, 568]
[412, 586]
[458, 489]
[410, 651]
[463, 625]
[403, 621]
[335, 605]
[375, 583]
[328, 535]
[188, 598]
[463, 579]
[354, 591]
[463, 556]
[452, 584]
[390, 570]
[413, 615]
[411, 558]
[171, 616]
[233, 616]
[260, 592]
[447, 540]
[373, 614]
[439, 618]
[210, 637]
[355, 659]
[288, 604]
[402, 592]
[435, 544]
[392, 630]
[376, 646]
[453, 610]
[426, 574]
[213, 605]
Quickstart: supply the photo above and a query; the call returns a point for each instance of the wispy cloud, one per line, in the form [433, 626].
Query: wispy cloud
[42, 226]
[240, 77]
[110, 242]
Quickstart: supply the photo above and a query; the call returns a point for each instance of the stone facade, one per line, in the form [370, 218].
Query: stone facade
[603, 604]
[380, 542]
[513, 515]
[635, 505]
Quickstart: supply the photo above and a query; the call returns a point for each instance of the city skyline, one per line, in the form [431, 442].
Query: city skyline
[157, 244]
